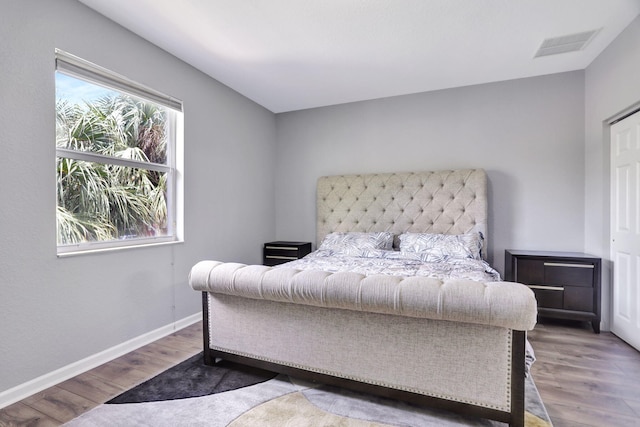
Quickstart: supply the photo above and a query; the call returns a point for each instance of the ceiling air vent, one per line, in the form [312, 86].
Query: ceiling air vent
[564, 44]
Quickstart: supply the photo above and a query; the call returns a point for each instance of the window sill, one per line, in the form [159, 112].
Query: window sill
[80, 252]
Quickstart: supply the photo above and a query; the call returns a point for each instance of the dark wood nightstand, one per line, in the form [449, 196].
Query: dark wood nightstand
[279, 252]
[566, 284]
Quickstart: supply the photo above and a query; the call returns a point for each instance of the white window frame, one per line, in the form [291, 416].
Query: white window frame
[79, 68]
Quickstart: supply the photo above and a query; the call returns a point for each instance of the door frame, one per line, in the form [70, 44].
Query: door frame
[607, 267]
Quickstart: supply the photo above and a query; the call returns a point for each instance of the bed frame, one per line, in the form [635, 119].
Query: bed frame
[458, 345]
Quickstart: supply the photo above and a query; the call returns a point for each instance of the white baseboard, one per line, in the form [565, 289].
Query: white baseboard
[50, 379]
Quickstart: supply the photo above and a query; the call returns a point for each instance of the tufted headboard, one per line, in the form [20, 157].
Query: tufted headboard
[442, 202]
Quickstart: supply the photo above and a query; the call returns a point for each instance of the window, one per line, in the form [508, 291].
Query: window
[117, 149]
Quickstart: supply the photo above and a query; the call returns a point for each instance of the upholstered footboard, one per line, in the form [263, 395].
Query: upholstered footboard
[458, 344]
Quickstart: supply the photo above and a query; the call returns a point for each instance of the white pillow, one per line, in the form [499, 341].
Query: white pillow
[440, 247]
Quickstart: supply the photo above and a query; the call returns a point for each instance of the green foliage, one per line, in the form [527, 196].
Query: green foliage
[99, 202]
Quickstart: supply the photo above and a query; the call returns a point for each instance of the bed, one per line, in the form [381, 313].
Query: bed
[443, 336]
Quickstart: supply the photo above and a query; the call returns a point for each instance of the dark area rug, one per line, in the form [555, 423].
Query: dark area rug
[192, 378]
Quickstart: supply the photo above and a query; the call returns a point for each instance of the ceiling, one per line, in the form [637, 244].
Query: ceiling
[295, 54]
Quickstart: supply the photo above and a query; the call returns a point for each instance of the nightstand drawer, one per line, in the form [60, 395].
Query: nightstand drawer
[574, 298]
[578, 298]
[536, 271]
[548, 296]
[284, 251]
[530, 271]
[568, 274]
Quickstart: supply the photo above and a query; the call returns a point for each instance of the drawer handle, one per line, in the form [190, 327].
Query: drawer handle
[285, 248]
[547, 288]
[561, 264]
[280, 257]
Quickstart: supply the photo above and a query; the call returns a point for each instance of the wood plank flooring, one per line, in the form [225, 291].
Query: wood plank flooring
[65, 401]
[585, 380]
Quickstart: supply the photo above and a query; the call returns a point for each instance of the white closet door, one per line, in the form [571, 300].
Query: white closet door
[625, 228]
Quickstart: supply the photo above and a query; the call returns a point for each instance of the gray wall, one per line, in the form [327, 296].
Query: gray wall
[528, 135]
[55, 311]
[543, 142]
[612, 85]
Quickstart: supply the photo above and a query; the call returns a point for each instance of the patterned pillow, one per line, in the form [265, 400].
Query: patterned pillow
[440, 247]
[357, 243]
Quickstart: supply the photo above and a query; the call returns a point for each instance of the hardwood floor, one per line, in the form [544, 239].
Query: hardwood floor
[67, 400]
[585, 380]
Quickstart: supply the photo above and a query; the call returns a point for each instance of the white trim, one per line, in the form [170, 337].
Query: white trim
[111, 246]
[88, 156]
[78, 67]
[50, 379]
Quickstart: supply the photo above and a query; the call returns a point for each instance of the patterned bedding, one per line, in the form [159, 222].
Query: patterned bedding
[395, 263]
